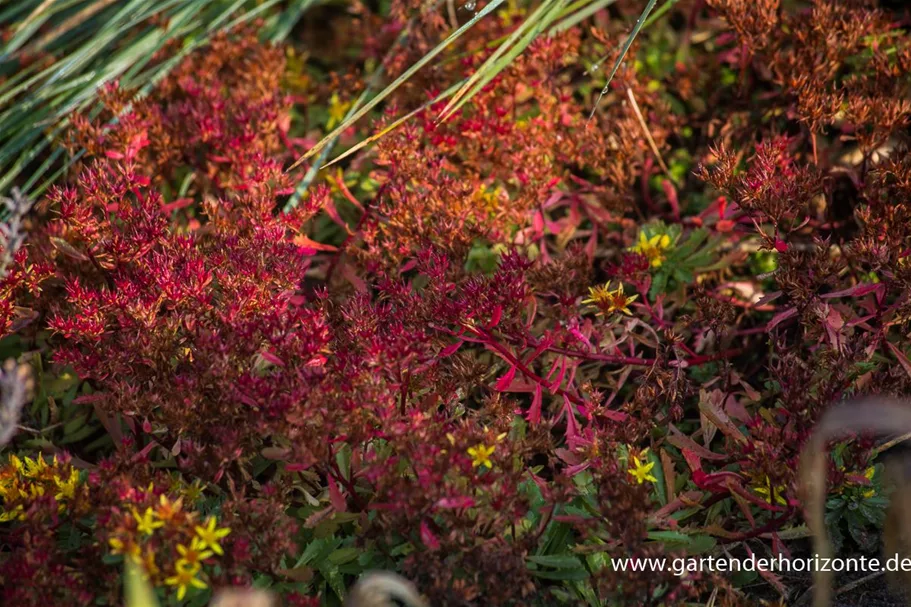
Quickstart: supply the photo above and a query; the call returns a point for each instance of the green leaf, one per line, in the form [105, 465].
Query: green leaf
[74, 424]
[557, 561]
[700, 544]
[343, 555]
[683, 276]
[563, 575]
[659, 284]
[556, 539]
[112, 559]
[75, 437]
[742, 578]
[689, 246]
[343, 457]
[658, 472]
[669, 537]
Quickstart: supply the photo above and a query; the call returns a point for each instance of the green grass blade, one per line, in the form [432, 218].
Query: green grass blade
[626, 46]
[286, 21]
[372, 82]
[492, 62]
[23, 35]
[581, 15]
[39, 100]
[661, 12]
[104, 37]
[13, 11]
[395, 124]
[398, 81]
[70, 24]
[539, 24]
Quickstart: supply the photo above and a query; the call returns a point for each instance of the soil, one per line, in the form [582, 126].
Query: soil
[857, 589]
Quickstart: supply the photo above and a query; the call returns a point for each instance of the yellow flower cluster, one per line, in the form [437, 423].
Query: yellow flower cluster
[296, 78]
[492, 198]
[25, 479]
[338, 109]
[138, 538]
[203, 545]
[653, 248]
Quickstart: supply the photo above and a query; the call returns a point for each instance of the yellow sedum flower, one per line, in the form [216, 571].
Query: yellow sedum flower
[193, 492]
[653, 248]
[10, 515]
[34, 467]
[767, 492]
[130, 549]
[66, 486]
[608, 301]
[641, 471]
[146, 522]
[193, 554]
[337, 110]
[166, 510]
[509, 14]
[868, 474]
[185, 577]
[480, 455]
[296, 78]
[17, 463]
[24, 479]
[209, 535]
[492, 198]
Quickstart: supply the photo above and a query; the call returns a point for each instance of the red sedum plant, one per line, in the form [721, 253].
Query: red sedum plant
[496, 353]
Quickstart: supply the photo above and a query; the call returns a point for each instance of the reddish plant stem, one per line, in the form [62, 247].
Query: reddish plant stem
[545, 523]
[353, 234]
[643, 293]
[491, 341]
[644, 362]
[609, 358]
[336, 472]
[773, 525]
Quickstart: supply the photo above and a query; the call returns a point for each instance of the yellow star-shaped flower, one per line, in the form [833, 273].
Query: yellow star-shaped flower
[209, 535]
[167, 510]
[185, 577]
[480, 455]
[640, 471]
[609, 301]
[868, 474]
[66, 485]
[146, 522]
[194, 553]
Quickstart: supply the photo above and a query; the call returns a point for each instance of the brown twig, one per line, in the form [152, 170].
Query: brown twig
[648, 135]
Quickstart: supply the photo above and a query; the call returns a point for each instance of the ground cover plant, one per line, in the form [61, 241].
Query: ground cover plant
[506, 339]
